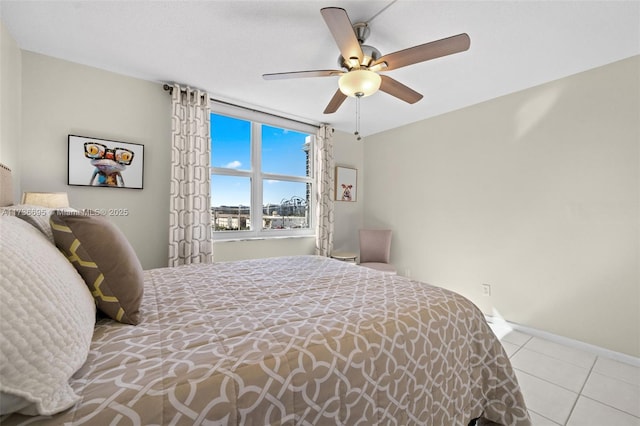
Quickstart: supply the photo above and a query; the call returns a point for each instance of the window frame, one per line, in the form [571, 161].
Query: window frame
[257, 176]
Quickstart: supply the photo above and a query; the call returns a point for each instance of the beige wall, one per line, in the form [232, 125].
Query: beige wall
[349, 152]
[535, 193]
[10, 105]
[61, 98]
[261, 248]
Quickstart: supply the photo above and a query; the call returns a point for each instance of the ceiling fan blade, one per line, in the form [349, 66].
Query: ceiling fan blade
[399, 90]
[342, 30]
[425, 52]
[302, 74]
[335, 102]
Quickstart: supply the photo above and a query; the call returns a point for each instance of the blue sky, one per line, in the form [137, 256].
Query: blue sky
[231, 147]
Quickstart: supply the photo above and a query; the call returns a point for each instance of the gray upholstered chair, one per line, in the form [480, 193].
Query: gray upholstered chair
[375, 249]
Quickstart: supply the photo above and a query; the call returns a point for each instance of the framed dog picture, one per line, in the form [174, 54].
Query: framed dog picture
[346, 184]
[105, 163]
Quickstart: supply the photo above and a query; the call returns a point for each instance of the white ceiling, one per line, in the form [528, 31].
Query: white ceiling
[224, 47]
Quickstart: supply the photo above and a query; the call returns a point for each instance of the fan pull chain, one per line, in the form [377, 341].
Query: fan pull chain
[357, 132]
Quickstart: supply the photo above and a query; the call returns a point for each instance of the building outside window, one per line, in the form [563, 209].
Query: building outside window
[261, 177]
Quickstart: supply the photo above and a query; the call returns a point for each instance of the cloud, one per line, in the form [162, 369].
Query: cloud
[271, 181]
[234, 164]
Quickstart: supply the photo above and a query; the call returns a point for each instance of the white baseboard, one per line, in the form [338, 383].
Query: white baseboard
[576, 344]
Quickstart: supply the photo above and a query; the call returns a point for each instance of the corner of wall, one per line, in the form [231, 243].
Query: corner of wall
[349, 152]
[10, 105]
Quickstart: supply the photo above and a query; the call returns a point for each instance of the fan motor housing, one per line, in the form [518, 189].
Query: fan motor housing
[371, 54]
[362, 31]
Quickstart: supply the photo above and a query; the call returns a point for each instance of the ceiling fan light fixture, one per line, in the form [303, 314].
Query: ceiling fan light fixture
[359, 63]
[359, 83]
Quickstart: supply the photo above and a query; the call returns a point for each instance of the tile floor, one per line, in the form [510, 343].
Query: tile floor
[567, 386]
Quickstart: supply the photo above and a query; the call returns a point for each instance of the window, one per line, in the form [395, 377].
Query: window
[261, 177]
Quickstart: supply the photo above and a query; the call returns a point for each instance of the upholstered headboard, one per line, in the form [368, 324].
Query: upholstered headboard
[6, 186]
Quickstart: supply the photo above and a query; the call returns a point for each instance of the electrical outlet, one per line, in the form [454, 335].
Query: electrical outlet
[486, 289]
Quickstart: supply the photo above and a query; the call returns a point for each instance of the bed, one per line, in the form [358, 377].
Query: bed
[302, 340]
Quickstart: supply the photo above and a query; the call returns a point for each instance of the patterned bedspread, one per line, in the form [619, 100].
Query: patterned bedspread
[300, 340]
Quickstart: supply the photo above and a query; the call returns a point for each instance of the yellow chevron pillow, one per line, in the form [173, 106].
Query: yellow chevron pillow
[105, 260]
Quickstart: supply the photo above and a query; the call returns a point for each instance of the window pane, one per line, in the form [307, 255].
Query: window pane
[284, 152]
[286, 205]
[230, 203]
[230, 142]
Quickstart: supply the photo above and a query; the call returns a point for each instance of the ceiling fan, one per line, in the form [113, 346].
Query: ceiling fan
[361, 63]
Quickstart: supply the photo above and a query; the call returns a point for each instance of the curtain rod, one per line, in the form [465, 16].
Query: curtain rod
[169, 89]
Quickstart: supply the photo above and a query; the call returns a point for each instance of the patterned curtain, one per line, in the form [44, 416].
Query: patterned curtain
[324, 169]
[189, 203]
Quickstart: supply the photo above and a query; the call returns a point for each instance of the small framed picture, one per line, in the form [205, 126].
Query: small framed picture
[346, 184]
[105, 163]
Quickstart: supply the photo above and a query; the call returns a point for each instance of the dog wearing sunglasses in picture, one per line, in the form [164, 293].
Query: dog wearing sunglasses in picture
[109, 163]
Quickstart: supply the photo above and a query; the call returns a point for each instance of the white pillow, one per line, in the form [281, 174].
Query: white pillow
[37, 216]
[47, 316]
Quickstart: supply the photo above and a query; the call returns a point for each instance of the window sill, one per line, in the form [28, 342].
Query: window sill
[279, 237]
